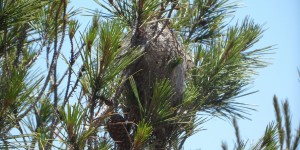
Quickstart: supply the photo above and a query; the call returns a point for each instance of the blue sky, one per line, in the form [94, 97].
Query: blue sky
[282, 21]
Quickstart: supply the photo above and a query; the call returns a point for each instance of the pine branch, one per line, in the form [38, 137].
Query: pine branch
[296, 139]
[279, 121]
[287, 118]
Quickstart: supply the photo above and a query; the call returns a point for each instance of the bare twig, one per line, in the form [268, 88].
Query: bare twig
[174, 4]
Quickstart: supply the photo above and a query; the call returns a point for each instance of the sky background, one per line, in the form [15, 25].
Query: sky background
[281, 20]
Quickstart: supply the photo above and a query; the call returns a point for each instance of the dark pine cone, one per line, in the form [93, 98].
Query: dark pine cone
[118, 131]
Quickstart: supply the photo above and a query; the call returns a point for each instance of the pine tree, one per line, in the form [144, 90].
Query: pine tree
[276, 136]
[135, 78]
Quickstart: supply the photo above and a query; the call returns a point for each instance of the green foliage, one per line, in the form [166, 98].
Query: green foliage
[18, 12]
[159, 108]
[72, 120]
[269, 140]
[68, 104]
[131, 12]
[202, 21]
[276, 136]
[142, 135]
[105, 61]
[224, 70]
[158, 115]
[17, 86]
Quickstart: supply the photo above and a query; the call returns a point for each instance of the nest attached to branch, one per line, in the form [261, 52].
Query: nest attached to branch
[164, 58]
